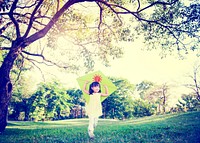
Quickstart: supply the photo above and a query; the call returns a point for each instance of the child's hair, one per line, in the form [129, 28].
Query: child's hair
[94, 84]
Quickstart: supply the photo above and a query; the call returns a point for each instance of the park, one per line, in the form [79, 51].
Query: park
[138, 60]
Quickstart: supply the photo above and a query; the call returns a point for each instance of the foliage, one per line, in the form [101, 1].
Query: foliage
[76, 95]
[171, 22]
[143, 87]
[188, 103]
[50, 102]
[195, 81]
[78, 103]
[118, 105]
[142, 108]
[23, 90]
[122, 104]
[163, 128]
[158, 95]
[175, 21]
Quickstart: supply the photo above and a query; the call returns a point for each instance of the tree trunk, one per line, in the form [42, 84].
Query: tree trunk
[26, 109]
[6, 85]
[5, 95]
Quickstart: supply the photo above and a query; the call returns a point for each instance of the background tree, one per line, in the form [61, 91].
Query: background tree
[50, 102]
[158, 95]
[78, 102]
[119, 104]
[142, 108]
[195, 84]
[188, 103]
[24, 22]
[143, 87]
[22, 91]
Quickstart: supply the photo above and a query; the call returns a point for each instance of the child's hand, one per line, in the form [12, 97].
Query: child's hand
[86, 82]
[105, 86]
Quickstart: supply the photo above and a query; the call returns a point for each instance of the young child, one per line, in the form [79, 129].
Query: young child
[94, 107]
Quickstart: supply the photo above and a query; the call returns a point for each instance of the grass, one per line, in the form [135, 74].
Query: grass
[170, 128]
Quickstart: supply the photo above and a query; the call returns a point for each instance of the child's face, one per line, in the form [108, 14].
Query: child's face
[96, 89]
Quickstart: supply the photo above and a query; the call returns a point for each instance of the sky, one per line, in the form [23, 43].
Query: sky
[136, 65]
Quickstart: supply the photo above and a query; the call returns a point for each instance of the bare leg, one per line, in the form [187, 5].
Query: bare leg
[95, 121]
[91, 127]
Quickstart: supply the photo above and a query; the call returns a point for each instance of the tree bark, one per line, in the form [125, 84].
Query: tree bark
[6, 85]
[5, 95]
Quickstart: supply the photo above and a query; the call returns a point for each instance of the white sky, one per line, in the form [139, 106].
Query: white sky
[137, 65]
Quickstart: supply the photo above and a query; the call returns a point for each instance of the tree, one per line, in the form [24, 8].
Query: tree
[77, 101]
[142, 108]
[158, 96]
[23, 89]
[143, 87]
[188, 103]
[24, 22]
[50, 101]
[195, 85]
[119, 104]
[21, 94]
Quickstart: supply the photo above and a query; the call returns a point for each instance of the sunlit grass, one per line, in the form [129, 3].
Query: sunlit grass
[171, 128]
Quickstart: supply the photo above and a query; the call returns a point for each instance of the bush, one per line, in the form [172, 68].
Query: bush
[143, 108]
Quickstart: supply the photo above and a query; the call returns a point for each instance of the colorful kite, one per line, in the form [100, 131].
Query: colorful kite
[99, 77]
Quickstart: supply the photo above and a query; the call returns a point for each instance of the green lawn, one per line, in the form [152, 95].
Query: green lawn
[171, 128]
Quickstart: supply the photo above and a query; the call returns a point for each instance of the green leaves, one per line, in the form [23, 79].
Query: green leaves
[50, 102]
[188, 103]
[119, 104]
[173, 28]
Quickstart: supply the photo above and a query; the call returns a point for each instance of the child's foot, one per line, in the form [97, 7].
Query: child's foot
[91, 134]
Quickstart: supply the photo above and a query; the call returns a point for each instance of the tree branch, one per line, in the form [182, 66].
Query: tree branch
[32, 18]
[27, 7]
[58, 5]
[2, 29]
[44, 59]
[5, 48]
[55, 18]
[138, 5]
[6, 37]
[33, 62]
[157, 3]
[13, 7]
[100, 15]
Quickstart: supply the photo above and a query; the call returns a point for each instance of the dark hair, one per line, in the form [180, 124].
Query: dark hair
[94, 84]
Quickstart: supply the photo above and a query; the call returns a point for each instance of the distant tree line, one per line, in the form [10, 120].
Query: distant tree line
[51, 101]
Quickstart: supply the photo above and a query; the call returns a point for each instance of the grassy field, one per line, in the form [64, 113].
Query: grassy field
[170, 128]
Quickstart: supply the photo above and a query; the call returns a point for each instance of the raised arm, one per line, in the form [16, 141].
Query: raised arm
[106, 91]
[84, 87]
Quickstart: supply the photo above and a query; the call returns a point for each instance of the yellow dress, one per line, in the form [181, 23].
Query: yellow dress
[94, 107]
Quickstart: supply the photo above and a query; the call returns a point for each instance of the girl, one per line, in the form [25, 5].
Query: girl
[94, 107]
